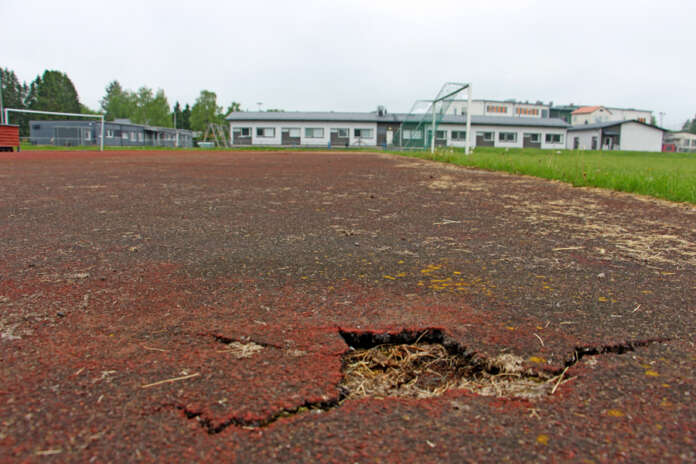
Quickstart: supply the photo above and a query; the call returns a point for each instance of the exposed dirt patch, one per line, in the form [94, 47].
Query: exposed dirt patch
[429, 366]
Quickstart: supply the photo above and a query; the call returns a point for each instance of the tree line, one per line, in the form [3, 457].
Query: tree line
[54, 91]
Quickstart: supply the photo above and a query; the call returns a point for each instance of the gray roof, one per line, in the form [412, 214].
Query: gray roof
[605, 124]
[333, 116]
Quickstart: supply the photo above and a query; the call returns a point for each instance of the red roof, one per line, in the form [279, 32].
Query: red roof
[587, 109]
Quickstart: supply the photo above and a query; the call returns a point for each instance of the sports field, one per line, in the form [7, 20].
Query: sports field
[268, 306]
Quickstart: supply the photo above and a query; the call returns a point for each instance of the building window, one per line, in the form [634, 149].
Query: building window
[363, 133]
[265, 131]
[109, 133]
[533, 137]
[124, 135]
[36, 126]
[553, 138]
[594, 142]
[641, 119]
[496, 109]
[242, 132]
[507, 137]
[86, 134]
[314, 132]
[485, 136]
[141, 136]
[409, 134]
[342, 132]
[292, 132]
[527, 111]
[458, 135]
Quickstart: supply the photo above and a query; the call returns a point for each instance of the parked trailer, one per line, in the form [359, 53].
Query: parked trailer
[9, 137]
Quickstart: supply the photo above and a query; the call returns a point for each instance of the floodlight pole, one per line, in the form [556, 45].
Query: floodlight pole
[467, 150]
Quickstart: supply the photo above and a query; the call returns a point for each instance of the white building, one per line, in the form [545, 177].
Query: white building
[334, 129]
[509, 108]
[616, 135]
[682, 141]
[599, 114]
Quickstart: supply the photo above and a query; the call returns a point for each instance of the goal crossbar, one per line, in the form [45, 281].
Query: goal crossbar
[55, 113]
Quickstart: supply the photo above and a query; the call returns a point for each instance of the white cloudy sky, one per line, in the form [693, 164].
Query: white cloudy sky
[352, 55]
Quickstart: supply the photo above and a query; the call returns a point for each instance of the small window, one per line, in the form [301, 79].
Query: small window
[292, 132]
[341, 132]
[363, 133]
[242, 131]
[87, 134]
[486, 136]
[36, 126]
[265, 131]
[553, 138]
[409, 134]
[109, 133]
[507, 137]
[141, 136]
[124, 135]
[458, 135]
[314, 132]
[532, 137]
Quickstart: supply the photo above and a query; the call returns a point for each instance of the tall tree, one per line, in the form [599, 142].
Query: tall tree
[233, 108]
[151, 108]
[205, 111]
[117, 103]
[14, 94]
[690, 125]
[177, 116]
[186, 117]
[53, 91]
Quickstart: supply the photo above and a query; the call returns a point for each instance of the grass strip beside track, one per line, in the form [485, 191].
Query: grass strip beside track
[671, 176]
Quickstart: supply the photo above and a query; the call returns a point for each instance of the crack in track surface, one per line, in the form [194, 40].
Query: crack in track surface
[368, 340]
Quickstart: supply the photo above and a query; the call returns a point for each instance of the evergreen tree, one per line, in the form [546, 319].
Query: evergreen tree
[117, 103]
[177, 116]
[53, 91]
[186, 118]
[14, 95]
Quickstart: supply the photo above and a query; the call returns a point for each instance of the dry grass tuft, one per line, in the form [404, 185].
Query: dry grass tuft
[425, 370]
[242, 350]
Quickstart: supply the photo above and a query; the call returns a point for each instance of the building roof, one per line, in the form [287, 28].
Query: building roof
[606, 124]
[333, 116]
[587, 109]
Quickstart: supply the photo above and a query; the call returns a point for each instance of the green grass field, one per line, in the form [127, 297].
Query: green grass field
[671, 176]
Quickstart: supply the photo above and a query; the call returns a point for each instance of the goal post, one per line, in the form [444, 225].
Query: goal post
[55, 113]
[419, 128]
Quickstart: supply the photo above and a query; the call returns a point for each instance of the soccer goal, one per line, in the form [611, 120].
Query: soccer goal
[419, 128]
[61, 132]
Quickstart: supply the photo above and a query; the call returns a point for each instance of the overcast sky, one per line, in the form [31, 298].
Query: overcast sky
[352, 55]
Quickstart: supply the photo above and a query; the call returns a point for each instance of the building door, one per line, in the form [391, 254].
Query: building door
[531, 140]
[576, 143]
[485, 139]
[290, 136]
